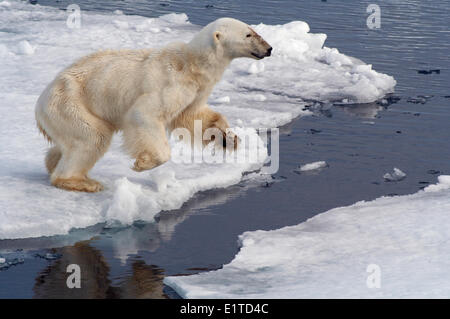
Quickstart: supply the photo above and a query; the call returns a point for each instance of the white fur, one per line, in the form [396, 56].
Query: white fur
[141, 92]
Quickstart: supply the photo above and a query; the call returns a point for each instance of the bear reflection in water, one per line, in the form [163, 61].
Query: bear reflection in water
[144, 281]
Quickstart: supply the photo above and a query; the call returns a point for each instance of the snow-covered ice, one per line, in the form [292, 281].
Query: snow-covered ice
[335, 254]
[35, 44]
[25, 48]
[396, 176]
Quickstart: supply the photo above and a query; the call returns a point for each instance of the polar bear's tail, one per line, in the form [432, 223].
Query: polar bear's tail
[40, 110]
[41, 129]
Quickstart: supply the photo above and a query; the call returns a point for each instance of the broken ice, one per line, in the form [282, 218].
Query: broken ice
[395, 176]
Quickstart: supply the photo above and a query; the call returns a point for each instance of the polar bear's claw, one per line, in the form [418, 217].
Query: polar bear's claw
[231, 139]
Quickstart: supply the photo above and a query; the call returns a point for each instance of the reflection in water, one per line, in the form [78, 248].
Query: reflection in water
[366, 110]
[139, 280]
[149, 236]
[361, 110]
[143, 281]
[51, 283]
[146, 281]
[369, 110]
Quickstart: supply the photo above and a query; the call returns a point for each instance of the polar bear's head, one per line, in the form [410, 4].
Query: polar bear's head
[234, 39]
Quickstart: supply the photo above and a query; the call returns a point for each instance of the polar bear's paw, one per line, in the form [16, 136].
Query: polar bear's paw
[145, 161]
[230, 140]
[78, 184]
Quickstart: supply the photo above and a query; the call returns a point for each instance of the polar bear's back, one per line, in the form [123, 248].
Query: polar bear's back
[101, 65]
[108, 81]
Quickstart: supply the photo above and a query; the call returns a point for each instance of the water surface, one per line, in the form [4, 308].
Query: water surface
[359, 142]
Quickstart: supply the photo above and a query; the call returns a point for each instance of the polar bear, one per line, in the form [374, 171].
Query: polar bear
[143, 93]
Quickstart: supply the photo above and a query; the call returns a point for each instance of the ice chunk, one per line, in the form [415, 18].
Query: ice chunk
[121, 24]
[25, 48]
[10, 262]
[49, 256]
[256, 67]
[224, 99]
[174, 18]
[124, 203]
[313, 166]
[395, 176]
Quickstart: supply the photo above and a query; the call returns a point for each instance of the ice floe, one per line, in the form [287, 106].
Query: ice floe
[391, 247]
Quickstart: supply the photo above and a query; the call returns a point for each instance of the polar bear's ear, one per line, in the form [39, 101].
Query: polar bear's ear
[217, 36]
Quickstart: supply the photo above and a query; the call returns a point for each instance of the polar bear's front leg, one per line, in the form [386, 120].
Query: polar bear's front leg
[210, 120]
[149, 159]
[145, 138]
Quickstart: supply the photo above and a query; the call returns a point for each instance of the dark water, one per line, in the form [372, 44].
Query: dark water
[360, 143]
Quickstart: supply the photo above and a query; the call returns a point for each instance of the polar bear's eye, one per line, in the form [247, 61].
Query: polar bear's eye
[249, 35]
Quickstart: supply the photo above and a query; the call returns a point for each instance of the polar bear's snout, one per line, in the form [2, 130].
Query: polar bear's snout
[262, 55]
[260, 48]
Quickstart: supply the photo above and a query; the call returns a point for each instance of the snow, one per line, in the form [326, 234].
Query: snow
[313, 166]
[25, 48]
[400, 242]
[256, 67]
[36, 43]
[444, 183]
[224, 99]
[258, 97]
[396, 176]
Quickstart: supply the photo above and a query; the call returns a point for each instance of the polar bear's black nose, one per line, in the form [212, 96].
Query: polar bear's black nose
[269, 51]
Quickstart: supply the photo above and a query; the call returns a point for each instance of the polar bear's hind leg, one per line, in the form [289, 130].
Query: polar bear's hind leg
[80, 138]
[52, 158]
[78, 157]
[71, 170]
